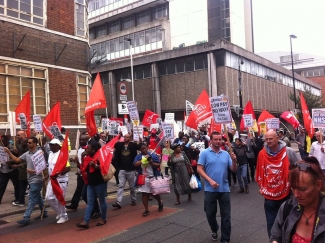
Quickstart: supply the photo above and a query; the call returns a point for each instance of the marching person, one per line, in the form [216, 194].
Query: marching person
[318, 150]
[35, 181]
[63, 179]
[124, 155]
[240, 151]
[300, 140]
[282, 137]
[213, 167]
[272, 171]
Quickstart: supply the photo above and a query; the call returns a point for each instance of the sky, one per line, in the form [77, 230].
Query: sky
[275, 20]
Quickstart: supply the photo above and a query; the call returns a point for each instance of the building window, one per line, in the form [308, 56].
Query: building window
[27, 10]
[91, 33]
[83, 95]
[313, 72]
[128, 22]
[143, 17]
[159, 11]
[101, 30]
[15, 81]
[81, 18]
[114, 27]
[284, 59]
[189, 64]
[179, 66]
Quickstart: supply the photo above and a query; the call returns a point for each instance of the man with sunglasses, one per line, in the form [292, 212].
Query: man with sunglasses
[35, 181]
[318, 150]
[272, 172]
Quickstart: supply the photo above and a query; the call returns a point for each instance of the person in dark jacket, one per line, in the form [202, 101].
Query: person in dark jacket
[240, 151]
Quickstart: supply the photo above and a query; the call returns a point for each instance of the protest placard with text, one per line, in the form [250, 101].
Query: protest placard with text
[168, 130]
[138, 130]
[169, 118]
[221, 109]
[39, 162]
[199, 145]
[318, 118]
[248, 120]
[37, 123]
[113, 128]
[272, 123]
[133, 110]
[105, 122]
[123, 129]
[3, 156]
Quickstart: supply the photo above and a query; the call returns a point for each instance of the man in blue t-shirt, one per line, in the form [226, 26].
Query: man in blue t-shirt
[213, 166]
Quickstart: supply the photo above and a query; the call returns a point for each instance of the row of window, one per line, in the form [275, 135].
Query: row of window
[313, 72]
[34, 11]
[121, 45]
[98, 7]
[145, 16]
[285, 59]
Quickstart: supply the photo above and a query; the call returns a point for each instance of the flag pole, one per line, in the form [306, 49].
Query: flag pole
[228, 141]
[43, 209]
[106, 113]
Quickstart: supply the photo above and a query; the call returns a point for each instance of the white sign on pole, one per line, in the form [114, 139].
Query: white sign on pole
[221, 109]
[12, 123]
[168, 130]
[169, 118]
[113, 128]
[180, 125]
[37, 123]
[3, 156]
[248, 120]
[39, 162]
[133, 110]
[105, 122]
[138, 130]
[199, 145]
[189, 107]
[123, 129]
[272, 123]
[318, 118]
[123, 97]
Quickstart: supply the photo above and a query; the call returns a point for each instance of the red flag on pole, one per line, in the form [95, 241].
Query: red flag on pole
[53, 118]
[96, 101]
[214, 127]
[149, 118]
[60, 165]
[201, 111]
[308, 123]
[247, 110]
[23, 113]
[289, 117]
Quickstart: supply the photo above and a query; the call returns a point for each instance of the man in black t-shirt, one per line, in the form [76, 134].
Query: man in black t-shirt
[124, 155]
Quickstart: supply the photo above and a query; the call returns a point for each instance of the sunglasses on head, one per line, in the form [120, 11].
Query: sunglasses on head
[303, 167]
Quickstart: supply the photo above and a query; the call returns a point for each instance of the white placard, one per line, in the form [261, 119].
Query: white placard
[248, 120]
[318, 118]
[199, 145]
[55, 130]
[113, 128]
[221, 109]
[77, 140]
[123, 129]
[159, 121]
[168, 130]
[169, 118]
[180, 125]
[133, 110]
[23, 121]
[37, 123]
[39, 162]
[105, 122]
[137, 130]
[12, 123]
[272, 123]
[3, 156]
[189, 107]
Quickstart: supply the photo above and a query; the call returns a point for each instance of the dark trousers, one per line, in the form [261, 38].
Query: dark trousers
[116, 176]
[271, 208]
[84, 197]
[77, 193]
[22, 190]
[4, 179]
[211, 200]
[251, 165]
[234, 177]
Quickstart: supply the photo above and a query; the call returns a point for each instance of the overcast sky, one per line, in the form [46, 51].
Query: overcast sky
[275, 20]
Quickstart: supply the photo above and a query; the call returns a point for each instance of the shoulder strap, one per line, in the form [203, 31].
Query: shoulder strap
[286, 211]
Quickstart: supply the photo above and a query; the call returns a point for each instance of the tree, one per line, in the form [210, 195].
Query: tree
[313, 101]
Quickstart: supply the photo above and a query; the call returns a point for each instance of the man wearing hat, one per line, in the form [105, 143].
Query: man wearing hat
[282, 137]
[63, 179]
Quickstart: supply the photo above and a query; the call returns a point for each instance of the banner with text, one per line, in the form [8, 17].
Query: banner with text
[39, 162]
[221, 109]
[168, 130]
[138, 130]
[169, 118]
[37, 123]
[133, 110]
[123, 129]
[105, 122]
[272, 123]
[318, 118]
[248, 120]
[3, 156]
[113, 128]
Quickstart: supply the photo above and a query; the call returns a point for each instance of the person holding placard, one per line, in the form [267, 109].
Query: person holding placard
[318, 150]
[35, 180]
[63, 179]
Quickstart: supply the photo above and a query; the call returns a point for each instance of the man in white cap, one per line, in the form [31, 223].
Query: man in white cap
[62, 178]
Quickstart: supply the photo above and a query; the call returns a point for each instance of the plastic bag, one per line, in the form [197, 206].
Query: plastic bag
[193, 182]
[199, 188]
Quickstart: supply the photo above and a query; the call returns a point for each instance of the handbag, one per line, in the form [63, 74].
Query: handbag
[141, 180]
[193, 162]
[159, 185]
[110, 173]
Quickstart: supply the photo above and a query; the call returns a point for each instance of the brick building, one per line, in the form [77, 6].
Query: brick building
[45, 49]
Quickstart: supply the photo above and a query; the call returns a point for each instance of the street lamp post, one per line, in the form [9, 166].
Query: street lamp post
[240, 62]
[293, 72]
[132, 81]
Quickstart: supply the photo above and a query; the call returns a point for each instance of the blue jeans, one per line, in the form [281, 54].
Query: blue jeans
[92, 192]
[271, 208]
[303, 153]
[210, 207]
[34, 198]
[242, 173]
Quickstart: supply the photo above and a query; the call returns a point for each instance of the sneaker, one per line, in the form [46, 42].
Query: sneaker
[18, 204]
[23, 222]
[214, 236]
[241, 190]
[116, 205]
[62, 220]
[71, 207]
[57, 217]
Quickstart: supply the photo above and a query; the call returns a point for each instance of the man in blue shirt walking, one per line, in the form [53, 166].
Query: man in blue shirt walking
[213, 166]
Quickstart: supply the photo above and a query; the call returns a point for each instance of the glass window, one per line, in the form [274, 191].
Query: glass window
[138, 72]
[162, 68]
[171, 69]
[141, 38]
[199, 64]
[189, 64]
[128, 22]
[148, 34]
[114, 27]
[91, 34]
[143, 17]
[147, 71]
[159, 11]
[101, 30]
[83, 94]
[81, 18]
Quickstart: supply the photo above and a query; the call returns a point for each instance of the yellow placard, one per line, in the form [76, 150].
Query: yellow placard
[262, 128]
[135, 122]
[99, 129]
[255, 128]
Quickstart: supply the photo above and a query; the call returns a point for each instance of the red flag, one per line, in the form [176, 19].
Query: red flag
[105, 154]
[60, 165]
[149, 118]
[289, 117]
[308, 123]
[201, 111]
[247, 110]
[263, 116]
[23, 113]
[53, 118]
[96, 101]
[214, 127]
